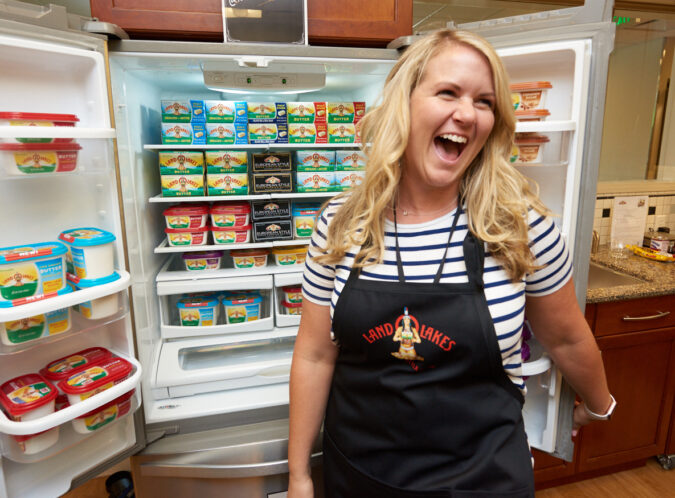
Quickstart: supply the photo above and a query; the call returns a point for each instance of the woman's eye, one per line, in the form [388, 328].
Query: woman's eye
[489, 103]
[450, 93]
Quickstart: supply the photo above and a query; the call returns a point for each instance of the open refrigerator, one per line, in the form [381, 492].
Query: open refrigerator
[213, 417]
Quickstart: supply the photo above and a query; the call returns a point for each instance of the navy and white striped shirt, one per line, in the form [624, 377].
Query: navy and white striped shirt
[422, 246]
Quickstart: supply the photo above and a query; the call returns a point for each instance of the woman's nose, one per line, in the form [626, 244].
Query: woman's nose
[465, 111]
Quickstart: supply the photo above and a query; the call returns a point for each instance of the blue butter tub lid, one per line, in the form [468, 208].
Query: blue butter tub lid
[86, 283]
[86, 237]
[29, 252]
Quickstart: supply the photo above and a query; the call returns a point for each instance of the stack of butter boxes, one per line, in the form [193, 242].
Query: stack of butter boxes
[202, 122]
[267, 123]
[182, 173]
[342, 118]
[271, 220]
[329, 171]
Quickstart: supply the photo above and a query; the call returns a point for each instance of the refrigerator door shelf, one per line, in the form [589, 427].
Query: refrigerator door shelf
[164, 247]
[283, 319]
[59, 302]
[250, 146]
[69, 413]
[55, 132]
[541, 408]
[68, 438]
[544, 126]
[256, 197]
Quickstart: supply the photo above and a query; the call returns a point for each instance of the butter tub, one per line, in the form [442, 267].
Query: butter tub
[293, 294]
[304, 215]
[178, 237]
[231, 214]
[108, 413]
[61, 369]
[249, 258]
[231, 235]
[30, 397]
[29, 271]
[529, 95]
[192, 216]
[96, 308]
[242, 307]
[90, 251]
[202, 260]
[198, 311]
[291, 255]
[36, 327]
[37, 119]
[291, 308]
[95, 378]
[34, 159]
[528, 148]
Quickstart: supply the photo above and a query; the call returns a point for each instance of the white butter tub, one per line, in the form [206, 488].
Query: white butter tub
[95, 378]
[100, 417]
[35, 327]
[96, 308]
[31, 159]
[30, 397]
[90, 252]
[37, 119]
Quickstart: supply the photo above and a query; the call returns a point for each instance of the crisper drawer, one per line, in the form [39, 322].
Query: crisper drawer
[205, 365]
[287, 310]
[634, 315]
[219, 316]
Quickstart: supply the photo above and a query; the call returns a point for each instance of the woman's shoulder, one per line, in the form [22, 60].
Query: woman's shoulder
[333, 205]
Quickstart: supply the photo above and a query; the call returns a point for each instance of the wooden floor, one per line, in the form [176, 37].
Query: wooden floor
[650, 481]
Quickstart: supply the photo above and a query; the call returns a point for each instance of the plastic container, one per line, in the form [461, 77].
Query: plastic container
[202, 260]
[96, 378]
[192, 216]
[249, 258]
[291, 308]
[37, 119]
[96, 308]
[90, 251]
[234, 214]
[30, 397]
[529, 95]
[291, 255]
[178, 237]
[293, 294]
[198, 311]
[63, 368]
[242, 307]
[100, 417]
[534, 115]
[303, 219]
[30, 271]
[231, 235]
[31, 159]
[36, 327]
[528, 149]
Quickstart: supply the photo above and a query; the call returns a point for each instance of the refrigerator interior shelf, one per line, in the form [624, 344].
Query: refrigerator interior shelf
[251, 197]
[55, 132]
[178, 287]
[67, 414]
[540, 165]
[68, 437]
[536, 367]
[180, 332]
[66, 300]
[164, 247]
[249, 146]
[545, 126]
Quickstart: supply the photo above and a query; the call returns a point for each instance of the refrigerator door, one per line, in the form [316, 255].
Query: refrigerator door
[59, 71]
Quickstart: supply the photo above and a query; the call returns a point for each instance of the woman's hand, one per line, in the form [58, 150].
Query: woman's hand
[300, 486]
[581, 418]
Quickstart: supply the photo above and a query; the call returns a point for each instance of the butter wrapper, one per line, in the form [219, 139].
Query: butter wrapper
[348, 160]
[267, 133]
[343, 134]
[267, 112]
[315, 160]
[219, 111]
[226, 133]
[180, 133]
[181, 162]
[226, 161]
[345, 112]
[306, 112]
[227, 183]
[182, 185]
[307, 133]
[322, 181]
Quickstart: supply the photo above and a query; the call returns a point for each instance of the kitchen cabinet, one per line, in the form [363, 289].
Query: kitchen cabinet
[349, 22]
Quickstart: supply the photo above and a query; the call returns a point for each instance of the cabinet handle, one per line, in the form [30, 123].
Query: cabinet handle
[659, 314]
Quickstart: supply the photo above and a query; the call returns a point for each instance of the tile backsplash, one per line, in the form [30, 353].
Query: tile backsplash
[661, 213]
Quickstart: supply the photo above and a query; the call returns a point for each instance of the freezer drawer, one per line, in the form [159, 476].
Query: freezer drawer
[247, 461]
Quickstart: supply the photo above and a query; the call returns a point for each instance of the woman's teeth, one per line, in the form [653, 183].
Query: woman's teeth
[455, 138]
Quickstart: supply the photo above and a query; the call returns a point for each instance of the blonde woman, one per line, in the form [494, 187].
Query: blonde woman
[445, 229]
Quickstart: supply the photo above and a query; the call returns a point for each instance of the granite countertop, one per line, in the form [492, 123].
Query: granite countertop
[659, 278]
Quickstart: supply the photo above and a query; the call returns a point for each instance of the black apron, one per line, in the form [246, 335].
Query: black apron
[420, 404]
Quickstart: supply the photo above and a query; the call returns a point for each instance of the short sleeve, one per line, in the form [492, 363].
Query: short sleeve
[319, 280]
[550, 252]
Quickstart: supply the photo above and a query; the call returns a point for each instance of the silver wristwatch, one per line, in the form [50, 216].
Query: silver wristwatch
[606, 416]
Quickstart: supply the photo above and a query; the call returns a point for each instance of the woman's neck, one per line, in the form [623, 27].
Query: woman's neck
[418, 207]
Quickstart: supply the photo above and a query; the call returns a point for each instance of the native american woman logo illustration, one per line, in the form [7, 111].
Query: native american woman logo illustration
[407, 335]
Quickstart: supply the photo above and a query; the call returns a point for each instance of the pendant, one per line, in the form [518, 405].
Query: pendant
[405, 212]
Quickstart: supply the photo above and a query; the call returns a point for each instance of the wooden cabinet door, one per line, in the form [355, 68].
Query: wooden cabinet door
[640, 369]
[549, 469]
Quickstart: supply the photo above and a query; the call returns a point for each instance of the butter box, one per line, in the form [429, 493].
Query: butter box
[306, 112]
[175, 162]
[345, 112]
[342, 134]
[315, 160]
[301, 133]
[176, 111]
[226, 161]
[307, 181]
[181, 133]
[263, 183]
[347, 160]
[271, 161]
[267, 133]
[227, 183]
[345, 180]
[219, 111]
[267, 210]
[264, 231]
[182, 185]
[226, 133]
[267, 112]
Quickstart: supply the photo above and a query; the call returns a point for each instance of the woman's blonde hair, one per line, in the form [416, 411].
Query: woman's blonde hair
[496, 195]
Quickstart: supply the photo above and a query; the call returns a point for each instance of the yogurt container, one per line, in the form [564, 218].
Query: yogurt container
[192, 216]
[63, 368]
[304, 215]
[242, 307]
[291, 308]
[291, 255]
[100, 417]
[249, 258]
[202, 260]
[293, 294]
[31, 271]
[529, 95]
[36, 327]
[96, 378]
[30, 397]
[198, 311]
[90, 252]
[96, 308]
[37, 119]
[528, 148]
[29, 159]
[178, 237]
[231, 235]
[231, 214]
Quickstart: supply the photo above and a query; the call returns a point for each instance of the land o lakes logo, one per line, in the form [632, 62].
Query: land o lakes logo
[407, 331]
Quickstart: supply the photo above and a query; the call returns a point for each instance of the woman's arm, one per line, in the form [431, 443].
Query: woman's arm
[311, 374]
[561, 328]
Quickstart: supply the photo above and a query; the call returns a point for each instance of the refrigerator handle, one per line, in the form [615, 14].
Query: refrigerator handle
[206, 471]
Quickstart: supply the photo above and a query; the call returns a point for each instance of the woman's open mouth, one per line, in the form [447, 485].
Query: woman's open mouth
[450, 146]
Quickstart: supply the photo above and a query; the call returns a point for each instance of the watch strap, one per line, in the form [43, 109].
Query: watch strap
[606, 415]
